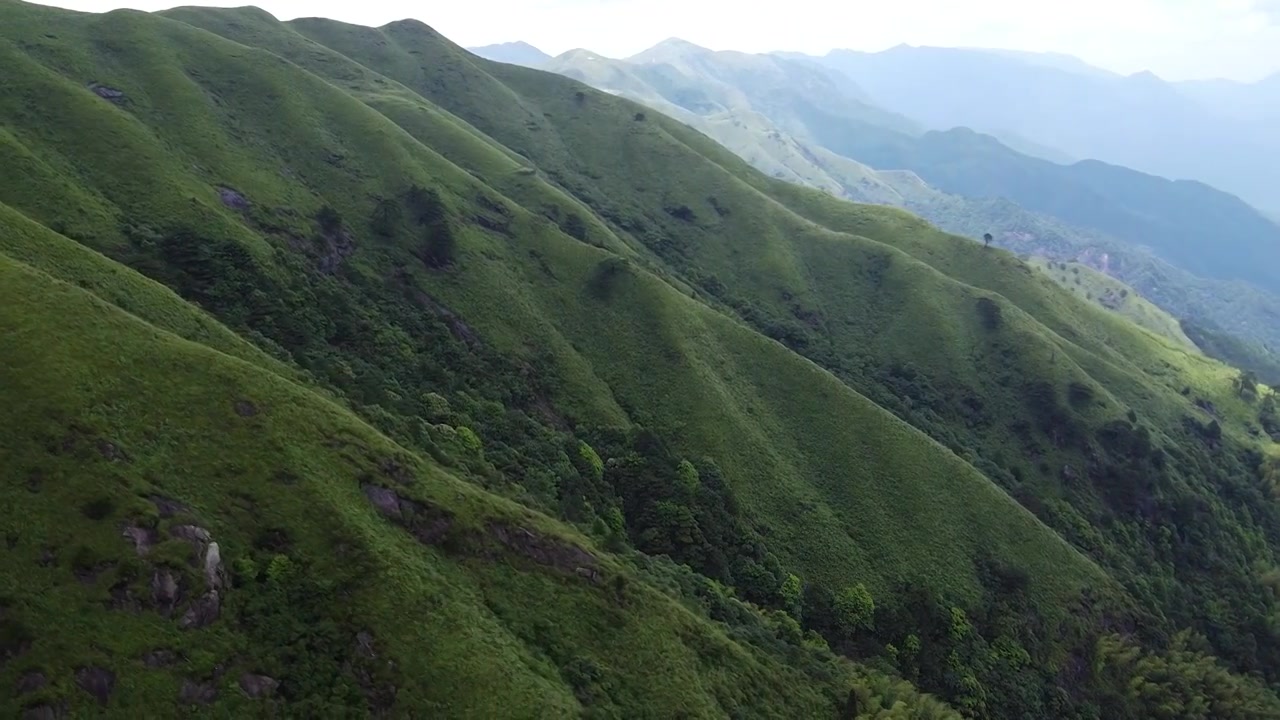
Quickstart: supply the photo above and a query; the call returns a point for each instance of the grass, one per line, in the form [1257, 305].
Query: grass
[778, 133]
[826, 356]
[177, 434]
[1114, 295]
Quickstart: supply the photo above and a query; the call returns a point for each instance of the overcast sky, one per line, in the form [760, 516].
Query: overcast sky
[1176, 39]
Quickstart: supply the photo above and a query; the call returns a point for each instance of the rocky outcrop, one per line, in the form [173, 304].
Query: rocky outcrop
[258, 686]
[203, 612]
[546, 550]
[142, 538]
[197, 693]
[427, 522]
[166, 591]
[97, 681]
[31, 682]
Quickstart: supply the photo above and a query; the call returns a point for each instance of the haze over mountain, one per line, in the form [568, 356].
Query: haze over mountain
[1138, 121]
[516, 53]
[1146, 231]
[349, 374]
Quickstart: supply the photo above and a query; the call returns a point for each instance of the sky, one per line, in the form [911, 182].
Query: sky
[1175, 39]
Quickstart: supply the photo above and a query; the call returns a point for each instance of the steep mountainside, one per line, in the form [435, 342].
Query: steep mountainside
[1079, 213]
[1138, 121]
[452, 387]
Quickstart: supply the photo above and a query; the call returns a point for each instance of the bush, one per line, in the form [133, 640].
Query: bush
[990, 314]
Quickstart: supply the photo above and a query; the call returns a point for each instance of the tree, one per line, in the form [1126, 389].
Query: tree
[790, 592]
[329, 219]
[430, 213]
[986, 239]
[989, 312]
[1246, 385]
[439, 245]
[575, 227]
[386, 217]
[855, 610]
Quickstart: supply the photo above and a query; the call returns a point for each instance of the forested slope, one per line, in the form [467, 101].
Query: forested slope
[594, 338]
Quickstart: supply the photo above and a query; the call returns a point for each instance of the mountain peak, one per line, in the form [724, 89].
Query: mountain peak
[672, 47]
[517, 52]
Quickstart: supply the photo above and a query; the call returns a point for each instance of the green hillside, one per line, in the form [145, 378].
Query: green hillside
[349, 572]
[613, 382]
[1107, 211]
[1082, 280]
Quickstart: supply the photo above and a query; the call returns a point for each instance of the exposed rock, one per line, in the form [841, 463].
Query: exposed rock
[334, 247]
[98, 682]
[232, 199]
[197, 693]
[194, 534]
[142, 538]
[257, 686]
[1069, 473]
[244, 408]
[31, 682]
[48, 556]
[364, 642]
[111, 451]
[1208, 407]
[107, 93]
[545, 550]
[384, 500]
[165, 591]
[213, 566]
[167, 507]
[428, 523]
[159, 658]
[203, 612]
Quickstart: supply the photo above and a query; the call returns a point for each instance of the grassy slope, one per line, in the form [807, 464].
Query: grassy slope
[177, 434]
[1114, 295]
[795, 155]
[808, 428]
[793, 440]
[778, 484]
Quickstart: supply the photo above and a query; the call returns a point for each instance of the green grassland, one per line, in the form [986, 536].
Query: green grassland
[461, 625]
[1114, 295]
[522, 303]
[784, 121]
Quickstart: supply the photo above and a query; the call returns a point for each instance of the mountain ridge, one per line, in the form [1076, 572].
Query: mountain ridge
[894, 444]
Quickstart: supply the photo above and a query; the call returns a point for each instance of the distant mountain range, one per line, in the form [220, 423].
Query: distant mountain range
[515, 53]
[1197, 252]
[1219, 132]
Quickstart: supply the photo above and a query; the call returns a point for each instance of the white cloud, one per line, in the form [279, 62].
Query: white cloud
[1177, 39]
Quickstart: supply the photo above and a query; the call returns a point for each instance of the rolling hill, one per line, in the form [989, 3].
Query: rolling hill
[1152, 232]
[355, 374]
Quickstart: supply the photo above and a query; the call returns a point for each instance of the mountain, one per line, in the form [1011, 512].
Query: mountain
[1149, 231]
[353, 374]
[1177, 219]
[1260, 100]
[1138, 121]
[515, 53]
